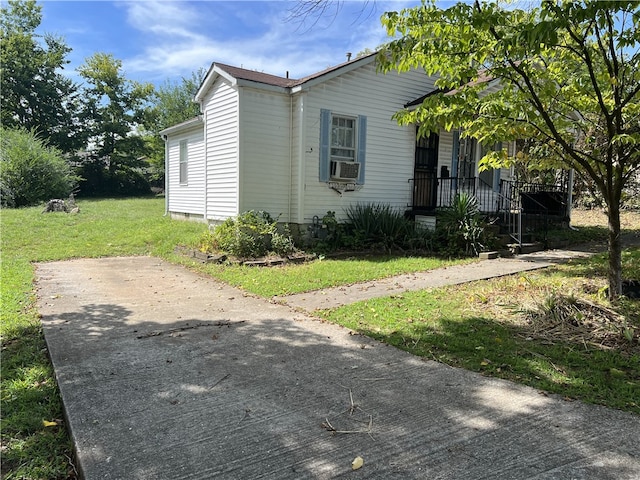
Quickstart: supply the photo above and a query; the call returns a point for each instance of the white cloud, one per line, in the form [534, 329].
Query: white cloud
[177, 38]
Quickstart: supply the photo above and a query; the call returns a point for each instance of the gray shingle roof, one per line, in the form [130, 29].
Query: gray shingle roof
[268, 79]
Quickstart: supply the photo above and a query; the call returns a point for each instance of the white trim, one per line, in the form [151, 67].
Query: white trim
[321, 78]
[191, 124]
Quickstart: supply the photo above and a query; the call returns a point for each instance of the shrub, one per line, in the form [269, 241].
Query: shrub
[30, 171]
[379, 225]
[249, 235]
[460, 228]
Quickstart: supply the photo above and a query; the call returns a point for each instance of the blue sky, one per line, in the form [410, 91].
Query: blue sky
[159, 40]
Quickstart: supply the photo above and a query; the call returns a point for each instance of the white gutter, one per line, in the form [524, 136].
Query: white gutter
[290, 158]
[166, 175]
[302, 159]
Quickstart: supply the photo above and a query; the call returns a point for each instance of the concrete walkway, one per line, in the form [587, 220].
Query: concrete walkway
[343, 295]
[166, 374]
[454, 275]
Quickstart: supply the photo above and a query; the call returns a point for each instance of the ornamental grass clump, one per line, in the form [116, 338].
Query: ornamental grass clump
[377, 225]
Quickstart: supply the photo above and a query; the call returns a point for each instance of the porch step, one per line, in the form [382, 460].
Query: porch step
[526, 248]
[505, 240]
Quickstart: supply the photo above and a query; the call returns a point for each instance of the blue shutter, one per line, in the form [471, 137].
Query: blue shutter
[325, 144]
[454, 157]
[362, 146]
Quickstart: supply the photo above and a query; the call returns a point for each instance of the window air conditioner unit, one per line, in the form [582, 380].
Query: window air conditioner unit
[345, 170]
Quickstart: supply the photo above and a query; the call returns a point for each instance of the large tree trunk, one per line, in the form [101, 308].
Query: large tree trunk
[615, 251]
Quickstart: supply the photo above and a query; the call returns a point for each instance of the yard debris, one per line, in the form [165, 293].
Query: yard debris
[157, 333]
[216, 383]
[353, 415]
[577, 320]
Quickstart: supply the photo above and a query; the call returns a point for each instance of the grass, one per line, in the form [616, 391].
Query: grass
[319, 274]
[476, 326]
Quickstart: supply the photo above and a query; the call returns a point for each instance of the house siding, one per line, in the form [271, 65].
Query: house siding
[390, 147]
[265, 152]
[222, 132]
[187, 198]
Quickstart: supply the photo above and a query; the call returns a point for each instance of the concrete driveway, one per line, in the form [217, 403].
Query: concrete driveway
[166, 374]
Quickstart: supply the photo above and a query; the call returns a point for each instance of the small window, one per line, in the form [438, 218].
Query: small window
[183, 161]
[343, 139]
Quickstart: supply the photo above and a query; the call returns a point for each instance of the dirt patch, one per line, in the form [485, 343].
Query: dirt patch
[629, 219]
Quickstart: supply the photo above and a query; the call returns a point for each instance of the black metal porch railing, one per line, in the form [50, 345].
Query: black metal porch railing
[534, 198]
[524, 207]
[430, 193]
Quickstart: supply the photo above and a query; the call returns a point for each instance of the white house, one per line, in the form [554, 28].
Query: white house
[298, 148]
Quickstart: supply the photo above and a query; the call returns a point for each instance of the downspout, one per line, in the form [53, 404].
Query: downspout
[290, 156]
[166, 175]
[206, 166]
[302, 158]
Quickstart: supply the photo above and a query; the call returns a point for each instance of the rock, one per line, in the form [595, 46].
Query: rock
[58, 205]
[55, 205]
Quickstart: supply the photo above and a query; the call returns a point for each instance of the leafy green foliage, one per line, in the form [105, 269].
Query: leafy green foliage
[30, 171]
[565, 75]
[33, 92]
[249, 235]
[114, 108]
[459, 228]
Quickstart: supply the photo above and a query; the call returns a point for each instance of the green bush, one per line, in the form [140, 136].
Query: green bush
[459, 228]
[30, 171]
[377, 225]
[249, 235]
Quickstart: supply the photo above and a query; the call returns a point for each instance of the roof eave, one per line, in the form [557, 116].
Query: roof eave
[190, 124]
[261, 86]
[333, 73]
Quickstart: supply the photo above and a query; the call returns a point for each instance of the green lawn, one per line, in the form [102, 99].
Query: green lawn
[476, 326]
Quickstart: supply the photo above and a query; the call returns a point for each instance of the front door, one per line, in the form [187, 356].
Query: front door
[425, 176]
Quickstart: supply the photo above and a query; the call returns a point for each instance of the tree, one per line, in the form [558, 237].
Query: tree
[34, 94]
[114, 110]
[30, 171]
[172, 104]
[565, 75]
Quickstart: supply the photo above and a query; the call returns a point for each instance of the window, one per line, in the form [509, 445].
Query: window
[343, 139]
[342, 145]
[183, 161]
